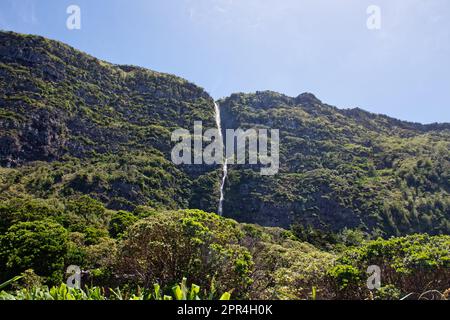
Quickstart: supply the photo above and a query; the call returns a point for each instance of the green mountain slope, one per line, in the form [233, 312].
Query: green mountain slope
[86, 179]
[71, 124]
[340, 168]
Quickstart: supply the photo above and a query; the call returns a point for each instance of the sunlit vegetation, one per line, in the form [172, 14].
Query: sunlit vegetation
[134, 250]
[86, 179]
[341, 169]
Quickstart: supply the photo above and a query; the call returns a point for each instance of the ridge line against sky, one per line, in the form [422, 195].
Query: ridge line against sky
[288, 46]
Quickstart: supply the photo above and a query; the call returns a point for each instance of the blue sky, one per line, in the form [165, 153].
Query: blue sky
[290, 46]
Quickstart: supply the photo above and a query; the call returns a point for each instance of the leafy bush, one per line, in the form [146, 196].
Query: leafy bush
[171, 245]
[347, 280]
[41, 245]
[415, 263]
[389, 292]
[119, 223]
[179, 292]
[85, 212]
[20, 210]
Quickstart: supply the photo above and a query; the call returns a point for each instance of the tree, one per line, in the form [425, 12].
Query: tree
[120, 222]
[171, 245]
[16, 210]
[84, 213]
[39, 245]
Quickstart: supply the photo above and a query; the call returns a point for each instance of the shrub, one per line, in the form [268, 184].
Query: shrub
[346, 279]
[20, 210]
[414, 263]
[119, 223]
[178, 292]
[389, 292]
[89, 212]
[40, 245]
[169, 245]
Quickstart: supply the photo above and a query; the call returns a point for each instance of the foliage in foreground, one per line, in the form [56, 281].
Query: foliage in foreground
[409, 266]
[63, 292]
[132, 250]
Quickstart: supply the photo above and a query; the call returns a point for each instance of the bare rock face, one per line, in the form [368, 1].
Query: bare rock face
[41, 137]
[44, 138]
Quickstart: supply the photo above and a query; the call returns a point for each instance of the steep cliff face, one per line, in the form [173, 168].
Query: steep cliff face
[97, 128]
[340, 168]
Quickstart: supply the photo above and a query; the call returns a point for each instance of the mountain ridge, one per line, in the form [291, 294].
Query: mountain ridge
[130, 67]
[308, 97]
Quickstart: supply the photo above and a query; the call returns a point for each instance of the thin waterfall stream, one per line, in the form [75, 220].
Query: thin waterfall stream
[225, 160]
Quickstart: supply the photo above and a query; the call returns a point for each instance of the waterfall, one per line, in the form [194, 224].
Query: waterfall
[225, 160]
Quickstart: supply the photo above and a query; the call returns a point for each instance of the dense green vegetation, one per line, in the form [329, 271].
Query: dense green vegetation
[408, 264]
[63, 292]
[148, 246]
[71, 124]
[86, 179]
[340, 169]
